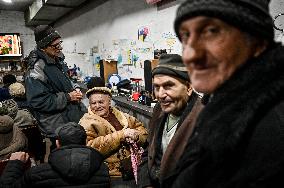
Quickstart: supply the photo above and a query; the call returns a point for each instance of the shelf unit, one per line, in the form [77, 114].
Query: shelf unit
[11, 63]
[5, 66]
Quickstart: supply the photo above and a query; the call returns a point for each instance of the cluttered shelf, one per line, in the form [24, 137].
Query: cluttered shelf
[133, 106]
[11, 72]
[141, 112]
[12, 65]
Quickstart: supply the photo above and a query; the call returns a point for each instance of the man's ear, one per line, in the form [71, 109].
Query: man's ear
[189, 90]
[44, 48]
[58, 145]
[260, 46]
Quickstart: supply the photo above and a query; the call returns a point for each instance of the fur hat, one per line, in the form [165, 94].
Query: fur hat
[171, 64]
[251, 16]
[9, 107]
[11, 137]
[17, 90]
[6, 131]
[97, 85]
[104, 90]
[71, 133]
[44, 35]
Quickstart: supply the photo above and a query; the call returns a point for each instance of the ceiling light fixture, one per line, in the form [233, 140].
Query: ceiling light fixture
[7, 1]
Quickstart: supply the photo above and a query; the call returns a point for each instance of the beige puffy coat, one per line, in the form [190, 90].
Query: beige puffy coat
[102, 136]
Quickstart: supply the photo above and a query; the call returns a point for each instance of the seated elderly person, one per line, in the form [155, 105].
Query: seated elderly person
[11, 137]
[26, 122]
[109, 131]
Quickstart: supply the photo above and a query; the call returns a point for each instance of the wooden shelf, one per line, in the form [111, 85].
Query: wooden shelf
[16, 73]
[4, 58]
[11, 55]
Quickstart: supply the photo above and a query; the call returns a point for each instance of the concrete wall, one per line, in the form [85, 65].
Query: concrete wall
[105, 24]
[277, 7]
[113, 26]
[108, 24]
[13, 22]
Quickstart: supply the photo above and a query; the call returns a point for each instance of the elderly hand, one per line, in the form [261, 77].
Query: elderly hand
[131, 134]
[76, 96]
[22, 156]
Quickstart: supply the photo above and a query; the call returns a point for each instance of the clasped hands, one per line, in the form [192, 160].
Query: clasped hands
[76, 95]
[21, 156]
[131, 135]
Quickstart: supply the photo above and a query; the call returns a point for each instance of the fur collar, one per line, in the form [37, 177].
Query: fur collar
[120, 116]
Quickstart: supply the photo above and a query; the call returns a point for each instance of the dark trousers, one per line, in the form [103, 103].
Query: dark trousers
[120, 183]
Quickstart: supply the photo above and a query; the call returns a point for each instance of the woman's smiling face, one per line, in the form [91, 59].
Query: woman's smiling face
[100, 104]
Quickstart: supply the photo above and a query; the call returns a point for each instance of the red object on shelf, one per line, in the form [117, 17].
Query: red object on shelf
[135, 96]
[136, 88]
[136, 79]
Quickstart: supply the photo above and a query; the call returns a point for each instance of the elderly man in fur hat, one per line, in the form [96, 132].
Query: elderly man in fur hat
[172, 122]
[111, 132]
[230, 54]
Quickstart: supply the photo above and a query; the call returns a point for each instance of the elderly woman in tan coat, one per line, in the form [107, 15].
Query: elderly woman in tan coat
[109, 131]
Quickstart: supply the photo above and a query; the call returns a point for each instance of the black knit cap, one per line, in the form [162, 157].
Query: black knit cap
[44, 35]
[172, 65]
[251, 16]
[71, 133]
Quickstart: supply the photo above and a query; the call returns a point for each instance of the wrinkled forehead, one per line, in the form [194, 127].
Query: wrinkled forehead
[162, 79]
[99, 97]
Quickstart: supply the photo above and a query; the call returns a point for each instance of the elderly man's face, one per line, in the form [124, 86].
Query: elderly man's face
[54, 49]
[172, 93]
[100, 104]
[213, 51]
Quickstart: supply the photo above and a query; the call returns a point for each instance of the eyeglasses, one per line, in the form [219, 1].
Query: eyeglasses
[57, 46]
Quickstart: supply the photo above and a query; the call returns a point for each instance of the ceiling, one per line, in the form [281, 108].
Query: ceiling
[42, 12]
[16, 5]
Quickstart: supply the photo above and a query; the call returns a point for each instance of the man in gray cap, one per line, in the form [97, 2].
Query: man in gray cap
[71, 164]
[230, 54]
[172, 121]
[50, 92]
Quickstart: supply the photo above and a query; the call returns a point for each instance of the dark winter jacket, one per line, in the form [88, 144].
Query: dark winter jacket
[4, 94]
[69, 166]
[155, 163]
[239, 140]
[47, 88]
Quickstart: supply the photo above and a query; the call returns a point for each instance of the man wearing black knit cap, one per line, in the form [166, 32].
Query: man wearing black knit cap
[71, 164]
[50, 92]
[229, 52]
[172, 120]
